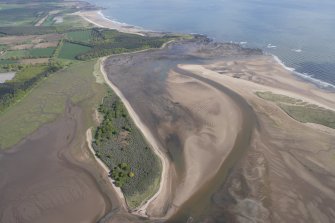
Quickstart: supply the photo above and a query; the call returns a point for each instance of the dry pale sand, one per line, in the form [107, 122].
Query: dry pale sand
[97, 19]
[206, 147]
[289, 169]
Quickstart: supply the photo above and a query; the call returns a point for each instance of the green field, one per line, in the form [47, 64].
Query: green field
[29, 72]
[81, 35]
[121, 146]
[70, 50]
[47, 101]
[41, 52]
[7, 62]
[300, 110]
[14, 54]
[29, 53]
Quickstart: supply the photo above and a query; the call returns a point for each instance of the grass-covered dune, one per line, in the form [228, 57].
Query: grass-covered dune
[300, 110]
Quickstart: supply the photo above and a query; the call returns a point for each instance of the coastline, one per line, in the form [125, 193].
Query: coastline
[313, 90]
[99, 19]
[319, 83]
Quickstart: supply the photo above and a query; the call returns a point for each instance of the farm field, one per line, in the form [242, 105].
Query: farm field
[70, 50]
[29, 53]
[3, 62]
[81, 35]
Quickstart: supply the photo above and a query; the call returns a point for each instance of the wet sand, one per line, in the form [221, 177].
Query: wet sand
[266, 165]
[286, 173]
[42, 182]
[177, 109]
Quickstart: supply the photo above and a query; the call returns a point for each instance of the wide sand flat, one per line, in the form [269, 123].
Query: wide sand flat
[290, 166]
[205, 147]
[43, 183]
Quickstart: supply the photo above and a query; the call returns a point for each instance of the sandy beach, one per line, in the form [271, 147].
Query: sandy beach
[99, 20]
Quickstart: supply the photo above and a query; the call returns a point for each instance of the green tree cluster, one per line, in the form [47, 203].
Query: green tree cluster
[121, 174]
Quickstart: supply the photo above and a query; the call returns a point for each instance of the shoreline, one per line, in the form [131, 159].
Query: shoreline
[141, 211]
[123, 27]
[314, 86]
[319, 83]
[98, 19]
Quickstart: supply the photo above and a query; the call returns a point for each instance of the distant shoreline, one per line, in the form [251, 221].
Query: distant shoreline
[99, 19]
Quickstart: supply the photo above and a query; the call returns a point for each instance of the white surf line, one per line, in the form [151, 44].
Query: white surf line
[148, 136]
[115, 25]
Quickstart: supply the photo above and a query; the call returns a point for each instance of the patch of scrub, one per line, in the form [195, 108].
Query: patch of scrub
[300, 110]
[120, 145]
[6, 76]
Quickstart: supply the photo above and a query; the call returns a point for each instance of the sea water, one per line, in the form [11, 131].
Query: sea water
[301, 33]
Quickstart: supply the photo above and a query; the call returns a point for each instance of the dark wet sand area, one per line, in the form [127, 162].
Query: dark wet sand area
[41, 182]
[143, 79]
